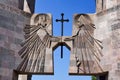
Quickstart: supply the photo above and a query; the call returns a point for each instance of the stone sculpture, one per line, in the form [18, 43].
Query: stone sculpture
[86, 49]
[37, 39]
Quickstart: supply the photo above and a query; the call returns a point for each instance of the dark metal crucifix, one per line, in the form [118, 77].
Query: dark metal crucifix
[62, 20]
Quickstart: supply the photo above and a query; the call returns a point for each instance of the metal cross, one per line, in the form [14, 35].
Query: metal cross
[62, 20]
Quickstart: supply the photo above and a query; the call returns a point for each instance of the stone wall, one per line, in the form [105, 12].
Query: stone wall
[13, 3]
[12, 21]
[25, 5]
[107, 23]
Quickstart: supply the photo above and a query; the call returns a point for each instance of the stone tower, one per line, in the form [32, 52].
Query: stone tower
[14, 14]
[107, 21]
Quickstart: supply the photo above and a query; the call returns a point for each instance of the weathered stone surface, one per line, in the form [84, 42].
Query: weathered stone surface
[13, 3]
[12, 21]
[40, 61]
[108, 27]
[82, 26]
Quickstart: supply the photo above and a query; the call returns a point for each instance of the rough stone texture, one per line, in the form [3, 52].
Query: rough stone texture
[108, 31]
[86, 61]
[107, 23]
[12, 21]
[25, 5]
[44, 63]
[13, 3]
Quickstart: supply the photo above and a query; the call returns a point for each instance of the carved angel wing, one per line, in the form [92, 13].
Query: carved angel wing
[34, 48]
[87, 49]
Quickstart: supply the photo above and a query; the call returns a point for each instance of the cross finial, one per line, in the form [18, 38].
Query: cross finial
[62, 20]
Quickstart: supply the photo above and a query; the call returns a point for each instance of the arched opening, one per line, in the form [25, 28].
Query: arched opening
[56, 8]
[57, 25]
[60, 65]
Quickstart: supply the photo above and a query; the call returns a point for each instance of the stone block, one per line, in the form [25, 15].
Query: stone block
[13, 3]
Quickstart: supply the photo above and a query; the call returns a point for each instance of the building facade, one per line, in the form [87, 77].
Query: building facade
[15, 14]
[13, 17]
[107, 21]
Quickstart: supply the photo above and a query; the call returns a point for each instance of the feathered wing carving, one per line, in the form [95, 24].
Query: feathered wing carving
[86, 48]
[33, 49]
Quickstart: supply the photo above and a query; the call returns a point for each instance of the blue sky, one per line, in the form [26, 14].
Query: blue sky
[69, 8]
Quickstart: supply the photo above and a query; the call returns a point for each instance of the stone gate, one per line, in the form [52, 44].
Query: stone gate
[101, 30]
